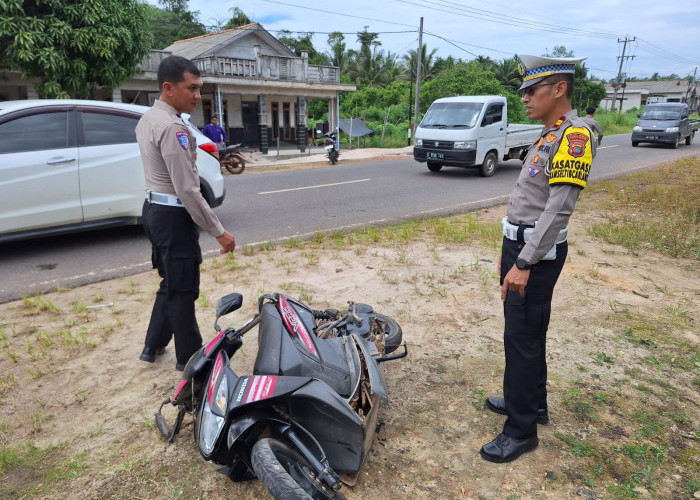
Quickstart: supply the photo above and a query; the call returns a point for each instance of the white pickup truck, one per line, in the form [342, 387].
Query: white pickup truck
[470, 131]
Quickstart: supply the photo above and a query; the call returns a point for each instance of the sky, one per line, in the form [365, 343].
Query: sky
[662, 32]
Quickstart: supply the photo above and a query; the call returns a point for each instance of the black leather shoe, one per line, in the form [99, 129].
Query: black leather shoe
[498, 405]
[180, 367]
[506, 449]
[149, 354]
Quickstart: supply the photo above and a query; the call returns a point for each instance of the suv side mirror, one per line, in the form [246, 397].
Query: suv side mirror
[639, 115]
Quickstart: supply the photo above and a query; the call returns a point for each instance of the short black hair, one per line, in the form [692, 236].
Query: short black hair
[564, 77]
[212, 117]
[590, 110]
[173, 68]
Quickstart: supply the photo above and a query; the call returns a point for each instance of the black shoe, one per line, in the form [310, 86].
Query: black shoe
[498, 405]
[506, 449]
[180, 367]
[149, 354]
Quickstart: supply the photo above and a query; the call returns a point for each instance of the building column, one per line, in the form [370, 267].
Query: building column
[301, 123]
[332, 114]
[262, 122]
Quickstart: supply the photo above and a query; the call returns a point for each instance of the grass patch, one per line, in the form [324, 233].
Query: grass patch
[616, 123]
[26, 469]
[657, 212]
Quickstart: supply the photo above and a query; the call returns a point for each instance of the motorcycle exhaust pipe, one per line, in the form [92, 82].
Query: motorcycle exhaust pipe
[160, 420]
[163, 426]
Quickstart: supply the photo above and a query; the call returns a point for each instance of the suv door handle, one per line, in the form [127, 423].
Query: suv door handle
[59, 159]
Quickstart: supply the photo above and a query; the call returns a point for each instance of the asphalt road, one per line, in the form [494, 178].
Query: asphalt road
[274, 206]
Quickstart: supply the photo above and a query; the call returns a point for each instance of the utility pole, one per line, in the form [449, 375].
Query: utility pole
[622, 58]
[419, 57]
[690, 84]
[410, 111]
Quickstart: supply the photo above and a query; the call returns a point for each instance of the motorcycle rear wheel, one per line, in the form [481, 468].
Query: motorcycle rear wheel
[234, 163]
[286, 474]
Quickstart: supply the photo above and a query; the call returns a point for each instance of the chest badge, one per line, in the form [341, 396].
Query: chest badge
[534, 171]
[536, 159]
[550, 137]
[183, 138]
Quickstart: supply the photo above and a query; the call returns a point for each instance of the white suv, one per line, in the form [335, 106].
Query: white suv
[72, 165]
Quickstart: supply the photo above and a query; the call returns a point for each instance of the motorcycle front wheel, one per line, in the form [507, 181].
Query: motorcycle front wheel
[234, 163]
[286, 474]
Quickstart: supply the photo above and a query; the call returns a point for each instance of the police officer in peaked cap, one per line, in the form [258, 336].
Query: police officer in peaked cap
[534, 250]
[173, 209]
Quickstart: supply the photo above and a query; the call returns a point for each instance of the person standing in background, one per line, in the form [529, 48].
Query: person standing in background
[593, 123]
[215, 132]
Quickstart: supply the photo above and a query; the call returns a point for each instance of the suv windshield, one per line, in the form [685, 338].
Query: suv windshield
[661, 113]
[452, 114]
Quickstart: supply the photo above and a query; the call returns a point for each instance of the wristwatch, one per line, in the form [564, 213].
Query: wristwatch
[522, 264]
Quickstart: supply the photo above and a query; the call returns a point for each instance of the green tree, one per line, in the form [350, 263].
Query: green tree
[173, 22]
[559, 51]
[586, 92]
[338, 56]
[303, 42]
[430, 65]
[238, 18]
[508, 74]
[73, 46]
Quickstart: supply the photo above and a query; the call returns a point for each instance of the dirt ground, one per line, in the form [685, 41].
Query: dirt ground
[76, 413]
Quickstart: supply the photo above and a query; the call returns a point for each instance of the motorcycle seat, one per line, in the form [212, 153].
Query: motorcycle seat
[335, 360]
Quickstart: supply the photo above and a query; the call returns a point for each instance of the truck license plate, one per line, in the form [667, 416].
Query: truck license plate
[435, 156]
[652, 137]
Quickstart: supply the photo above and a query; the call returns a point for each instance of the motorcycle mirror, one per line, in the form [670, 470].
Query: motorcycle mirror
[227, 304]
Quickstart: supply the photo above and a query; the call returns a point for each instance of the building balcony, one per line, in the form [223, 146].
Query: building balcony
[293, 69]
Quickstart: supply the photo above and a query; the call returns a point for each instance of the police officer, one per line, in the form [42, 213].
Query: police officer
[173, 209]
[593, 123]
[554, 172]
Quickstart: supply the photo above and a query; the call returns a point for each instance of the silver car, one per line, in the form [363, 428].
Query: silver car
[72, 165]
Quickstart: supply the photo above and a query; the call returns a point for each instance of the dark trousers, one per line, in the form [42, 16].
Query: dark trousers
[526, 322]
[176, 254]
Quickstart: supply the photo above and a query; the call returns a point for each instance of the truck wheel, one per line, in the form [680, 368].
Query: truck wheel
[487, 168]
[689, 139]
[677, 142]
[635, 144]
[286, 474]
[434, 167]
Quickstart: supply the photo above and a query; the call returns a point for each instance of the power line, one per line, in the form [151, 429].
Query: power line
[325, 11]
[502, 19]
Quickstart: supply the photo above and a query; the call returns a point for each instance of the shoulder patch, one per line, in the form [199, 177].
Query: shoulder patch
[550, 137]
[572, 161]
[183, 138]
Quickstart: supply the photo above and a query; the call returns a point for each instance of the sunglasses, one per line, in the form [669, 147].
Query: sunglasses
[530, 91]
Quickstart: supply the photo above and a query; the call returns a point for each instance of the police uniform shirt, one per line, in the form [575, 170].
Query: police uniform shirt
[554, 172]
[169, 153]
[595, 126]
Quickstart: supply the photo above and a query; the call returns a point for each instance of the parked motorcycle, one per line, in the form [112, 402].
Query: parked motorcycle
[305, 420]
[232, 159]
[330, 144]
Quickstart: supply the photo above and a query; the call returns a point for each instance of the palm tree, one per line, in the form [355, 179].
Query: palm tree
[508, 74]
[429, 66]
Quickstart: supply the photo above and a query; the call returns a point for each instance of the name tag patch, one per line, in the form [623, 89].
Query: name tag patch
[183, 138]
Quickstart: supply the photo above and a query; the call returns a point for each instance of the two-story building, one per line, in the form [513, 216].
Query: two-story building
[257, 86]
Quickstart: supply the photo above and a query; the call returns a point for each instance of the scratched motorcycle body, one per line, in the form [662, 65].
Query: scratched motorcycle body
[305, 419]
